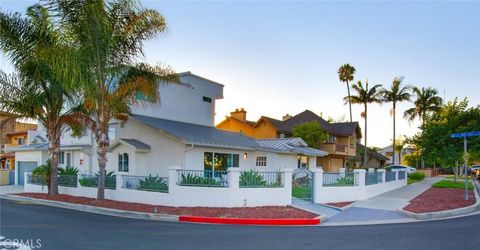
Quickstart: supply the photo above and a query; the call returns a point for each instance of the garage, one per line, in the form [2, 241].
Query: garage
[24, 167]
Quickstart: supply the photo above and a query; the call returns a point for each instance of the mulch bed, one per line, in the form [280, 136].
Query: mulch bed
[439, 199]
[267, 212]
[340, 204]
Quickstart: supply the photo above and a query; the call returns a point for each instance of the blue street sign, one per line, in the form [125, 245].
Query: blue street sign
[465, 134]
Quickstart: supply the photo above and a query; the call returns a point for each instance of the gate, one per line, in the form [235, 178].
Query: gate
[302, 185]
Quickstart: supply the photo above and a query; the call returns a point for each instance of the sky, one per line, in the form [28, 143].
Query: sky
[279, 57]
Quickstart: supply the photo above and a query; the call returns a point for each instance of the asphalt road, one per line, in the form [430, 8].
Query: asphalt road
[58, 228]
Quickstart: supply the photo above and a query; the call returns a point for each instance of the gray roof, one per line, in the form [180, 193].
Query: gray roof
[374, 154]
[42, 146]
[138, 145]
[212, 137]
[196, 134]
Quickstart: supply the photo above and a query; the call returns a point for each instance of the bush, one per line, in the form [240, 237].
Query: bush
[252, 178]
[191, 179]
[153, 183]
[68, 170]
[416, 176]
[92, 181]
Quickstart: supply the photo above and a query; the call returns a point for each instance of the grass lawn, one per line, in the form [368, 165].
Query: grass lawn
[451, 177]
[410, 181]
[452, 184]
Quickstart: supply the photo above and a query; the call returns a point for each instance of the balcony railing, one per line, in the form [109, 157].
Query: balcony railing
[341, 148]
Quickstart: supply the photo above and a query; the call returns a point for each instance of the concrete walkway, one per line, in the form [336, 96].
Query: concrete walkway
[315, 208]
[11, 189]
[382, 208]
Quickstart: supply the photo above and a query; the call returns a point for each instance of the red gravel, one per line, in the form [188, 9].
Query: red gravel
[340, 204]
[267, 212]
[439, 199]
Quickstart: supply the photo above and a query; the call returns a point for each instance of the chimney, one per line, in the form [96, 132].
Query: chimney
[239, 114]
[286, 117]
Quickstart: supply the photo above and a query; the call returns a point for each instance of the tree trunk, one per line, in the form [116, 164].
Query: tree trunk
[455, 171]
[102, 146]
[54, 151]
[349, 103]
[393, 139]
[365, 140]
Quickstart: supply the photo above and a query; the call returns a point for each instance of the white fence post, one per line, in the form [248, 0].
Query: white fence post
[172, 178]
[396, 174]
[383, 171]
[317, 184]
[361, 177]
[233, 178]
[119, 182]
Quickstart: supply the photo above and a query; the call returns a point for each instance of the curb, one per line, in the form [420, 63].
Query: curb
[243, 221]
[446, 213]
[166, 217]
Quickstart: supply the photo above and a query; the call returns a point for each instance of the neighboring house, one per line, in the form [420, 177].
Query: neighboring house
[374, 159]
[341, 142]
[177, 132]
[388, 152]
[12, 134]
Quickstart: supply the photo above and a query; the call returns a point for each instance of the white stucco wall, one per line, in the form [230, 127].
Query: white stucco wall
[184, 102]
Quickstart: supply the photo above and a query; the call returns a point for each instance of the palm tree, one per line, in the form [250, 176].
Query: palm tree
[427, 102]
[345, 74]
[364, 96]
[395, 94]
[110, 36]
[36, 90]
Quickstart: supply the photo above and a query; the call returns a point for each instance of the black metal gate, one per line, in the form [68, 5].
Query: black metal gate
[302, 185]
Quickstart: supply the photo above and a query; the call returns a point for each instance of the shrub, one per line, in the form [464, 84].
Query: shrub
[344, 181]
[191, 179]
[252, 178]
[153, 183]
[41, 174]
[68, 170]
[416, 176]
[92, 181]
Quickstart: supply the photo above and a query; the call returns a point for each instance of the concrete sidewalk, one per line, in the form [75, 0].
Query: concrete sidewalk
[11, 189]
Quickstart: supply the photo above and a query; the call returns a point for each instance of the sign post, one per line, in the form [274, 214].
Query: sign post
[465, 135]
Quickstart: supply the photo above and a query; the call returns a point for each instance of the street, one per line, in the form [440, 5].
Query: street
[67, 229]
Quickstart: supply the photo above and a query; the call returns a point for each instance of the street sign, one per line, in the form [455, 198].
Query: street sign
[465, 134]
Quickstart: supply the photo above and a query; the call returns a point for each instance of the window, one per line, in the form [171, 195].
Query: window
[352, 141]
[332, 139]
[21, 141]
[220, 161]
[61, 158]
[69, 159]
[123, 162]
[207, 99]
[261, 161]
[302, 162]
[111, 132]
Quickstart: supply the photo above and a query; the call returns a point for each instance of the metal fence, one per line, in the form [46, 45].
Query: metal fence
[67, 180]
[389, 176]
[401, 175]
[92, 181]
[255, 179]
[203, 178]
[36, 179]
[340, 179]
[145, 183]
[372, 178]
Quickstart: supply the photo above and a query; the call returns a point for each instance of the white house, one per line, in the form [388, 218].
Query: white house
[177, 132]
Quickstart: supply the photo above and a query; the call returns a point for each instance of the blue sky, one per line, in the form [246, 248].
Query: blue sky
[282, 57]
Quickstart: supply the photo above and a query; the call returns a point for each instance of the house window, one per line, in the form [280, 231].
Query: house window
[111, 132]
[21, 141]
[68, 157]
[207, 99]
[261, 161]
[123, 162]
[332, 139]
[352, 142]
[220, 161]
[61, 158]
[302, 162]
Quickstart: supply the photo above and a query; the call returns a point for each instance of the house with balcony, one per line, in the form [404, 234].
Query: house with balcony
[340, 144]
[178, 132]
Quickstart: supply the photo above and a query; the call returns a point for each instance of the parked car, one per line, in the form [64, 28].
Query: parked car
[475, 170]
[408, 168]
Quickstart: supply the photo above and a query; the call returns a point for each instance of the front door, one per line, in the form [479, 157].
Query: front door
[302, 185]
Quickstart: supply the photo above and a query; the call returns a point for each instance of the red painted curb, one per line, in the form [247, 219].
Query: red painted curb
[247, 221]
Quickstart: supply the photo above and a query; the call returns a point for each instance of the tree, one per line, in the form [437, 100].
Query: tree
[398, 146]
[345, 74]
[395, 94]
[435, 141]
[365, 96]
[110, 36]
[311, 132]
[426, 103]
[38, 90]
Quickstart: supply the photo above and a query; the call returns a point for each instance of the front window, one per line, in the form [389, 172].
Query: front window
[61, 158]
[68, 159]
[111, 132]
[261, 161]
[123, 162]
[352, 141]
[332, 139]
[302, 162]
[220, 161]
[21, 141]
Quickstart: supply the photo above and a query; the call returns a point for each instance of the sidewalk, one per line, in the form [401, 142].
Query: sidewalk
[11, 189]
[383, 208]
